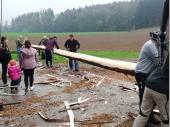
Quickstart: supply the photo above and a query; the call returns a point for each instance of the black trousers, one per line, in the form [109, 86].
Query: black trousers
[15, 83]
[48, 56]
[4, 72]
[141, 81]
[29, 77]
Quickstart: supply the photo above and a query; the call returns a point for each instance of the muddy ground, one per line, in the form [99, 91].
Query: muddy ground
[109, 104]
[123, 41]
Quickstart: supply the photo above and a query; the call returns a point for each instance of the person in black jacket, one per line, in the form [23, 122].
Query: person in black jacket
[43, 42]
[156, 94]
[72, 45]
[5, 57]
[49, 47]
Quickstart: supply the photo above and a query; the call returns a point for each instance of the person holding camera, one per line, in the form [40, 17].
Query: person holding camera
[156, 94]
[148, 58]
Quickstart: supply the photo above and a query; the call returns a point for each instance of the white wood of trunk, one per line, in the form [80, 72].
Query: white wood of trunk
[115, 65]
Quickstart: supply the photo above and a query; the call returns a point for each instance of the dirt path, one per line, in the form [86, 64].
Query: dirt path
[108, 103]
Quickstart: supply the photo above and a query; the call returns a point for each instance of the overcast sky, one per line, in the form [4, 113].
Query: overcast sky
[13, 8]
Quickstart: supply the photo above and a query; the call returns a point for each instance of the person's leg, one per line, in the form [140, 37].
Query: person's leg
[39, 52]
[4, 73]
[42, 55]
[47, 63]
[146, 108]
[71, 63]
[141, 80]
[51, 58]
[17, 83]
[26, 74]
[76, 64]
[18, 53]
[46, 57]
[12, 84]
[162, 103]
[31, 77]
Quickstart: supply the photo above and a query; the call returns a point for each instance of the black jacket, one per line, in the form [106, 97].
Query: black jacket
[72, 46]
[158, 81]
[5, 54]
[43, 42]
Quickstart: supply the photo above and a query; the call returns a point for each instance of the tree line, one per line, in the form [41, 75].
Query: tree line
[116, 16]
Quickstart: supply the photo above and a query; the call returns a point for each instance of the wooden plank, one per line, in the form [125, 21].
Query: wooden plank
[70, 113]
[8, 94]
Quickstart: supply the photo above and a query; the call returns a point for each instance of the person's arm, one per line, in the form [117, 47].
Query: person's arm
[16, 43]
[56, 45]
[152, 53]
[19, 69]
[45, 42]
[9, 72]
[40, 43]
[36, 57]
[66, 45]
[21, 60]
[78, 44]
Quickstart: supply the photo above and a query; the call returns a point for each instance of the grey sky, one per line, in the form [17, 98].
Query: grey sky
[13, 8]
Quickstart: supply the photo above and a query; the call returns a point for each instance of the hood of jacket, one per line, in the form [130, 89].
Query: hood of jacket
[28, 52]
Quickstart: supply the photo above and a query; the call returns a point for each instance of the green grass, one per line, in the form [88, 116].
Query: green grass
[114, 54]
[120, 55]
[16, 34]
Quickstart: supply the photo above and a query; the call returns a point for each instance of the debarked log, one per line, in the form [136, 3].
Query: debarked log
[115, 65]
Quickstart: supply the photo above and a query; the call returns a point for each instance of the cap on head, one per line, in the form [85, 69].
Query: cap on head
[44, 37]
[157, 36]
[12, 62]
[20, 36]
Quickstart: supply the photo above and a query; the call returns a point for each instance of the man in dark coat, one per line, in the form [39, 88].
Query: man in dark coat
[51, 43]
[72, 45]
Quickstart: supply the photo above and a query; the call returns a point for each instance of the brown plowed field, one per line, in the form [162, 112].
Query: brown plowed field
[123, 41]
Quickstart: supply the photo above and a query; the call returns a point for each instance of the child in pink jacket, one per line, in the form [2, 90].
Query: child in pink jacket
[14, 74]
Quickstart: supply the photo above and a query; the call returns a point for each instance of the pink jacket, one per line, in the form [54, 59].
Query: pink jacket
[29, 58]
[14, 72]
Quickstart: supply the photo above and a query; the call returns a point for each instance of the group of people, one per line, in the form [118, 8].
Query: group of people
[28, 59]
[153, 82]
[71, 45]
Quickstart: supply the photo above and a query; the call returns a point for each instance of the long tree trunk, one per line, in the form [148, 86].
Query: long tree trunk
[115, 65]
